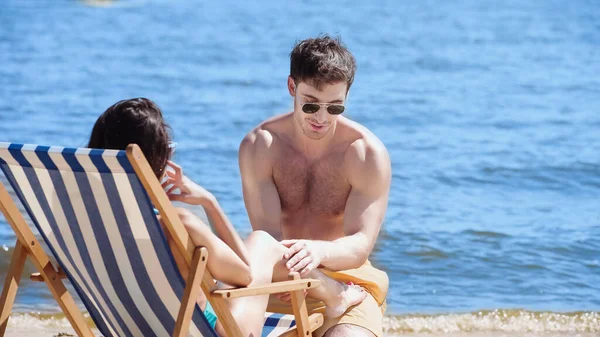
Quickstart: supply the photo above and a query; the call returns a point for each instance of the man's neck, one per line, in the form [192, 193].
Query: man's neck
[313, 148]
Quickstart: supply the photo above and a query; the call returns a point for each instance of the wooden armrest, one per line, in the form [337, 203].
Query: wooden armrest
[37, 277]
[273, 288]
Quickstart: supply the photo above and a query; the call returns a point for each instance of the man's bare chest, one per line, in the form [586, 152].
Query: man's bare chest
[319, 187]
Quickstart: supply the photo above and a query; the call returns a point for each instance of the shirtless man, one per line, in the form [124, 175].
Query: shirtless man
[320, 182]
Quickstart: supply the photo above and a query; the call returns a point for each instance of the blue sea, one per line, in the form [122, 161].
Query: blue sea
[490, 111]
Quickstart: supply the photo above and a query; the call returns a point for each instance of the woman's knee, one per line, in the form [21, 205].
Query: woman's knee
[262, 238]
[264, 244]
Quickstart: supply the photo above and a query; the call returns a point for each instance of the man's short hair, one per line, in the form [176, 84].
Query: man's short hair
[322, 60]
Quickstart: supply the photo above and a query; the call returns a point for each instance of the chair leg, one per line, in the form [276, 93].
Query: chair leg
[42, 262]
[11, 285]
[314, 320]
[300, 310]
[191, 292]
[65, 301]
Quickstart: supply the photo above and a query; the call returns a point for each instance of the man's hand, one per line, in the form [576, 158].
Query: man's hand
[303, 256]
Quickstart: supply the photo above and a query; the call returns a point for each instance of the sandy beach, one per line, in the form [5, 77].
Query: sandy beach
[490, 324]
[56, 332]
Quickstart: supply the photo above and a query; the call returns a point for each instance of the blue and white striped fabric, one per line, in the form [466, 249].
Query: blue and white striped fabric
[97, 219]
[276, 324]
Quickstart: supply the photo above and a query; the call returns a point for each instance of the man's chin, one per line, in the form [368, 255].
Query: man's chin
[315, 135]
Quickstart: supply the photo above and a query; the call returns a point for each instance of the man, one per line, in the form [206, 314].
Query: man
[320, 182]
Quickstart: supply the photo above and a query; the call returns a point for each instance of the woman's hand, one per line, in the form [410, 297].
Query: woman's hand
[190, 192]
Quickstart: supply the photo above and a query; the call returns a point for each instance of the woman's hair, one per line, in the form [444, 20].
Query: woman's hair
[134, 121]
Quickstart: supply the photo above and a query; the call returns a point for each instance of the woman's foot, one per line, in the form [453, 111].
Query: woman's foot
[349, 296]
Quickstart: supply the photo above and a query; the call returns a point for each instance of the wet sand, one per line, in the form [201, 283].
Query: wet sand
[27, 331]
[490, 324]
[56, 332]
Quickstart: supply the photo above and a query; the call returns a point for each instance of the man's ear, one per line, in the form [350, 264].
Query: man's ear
[291, 86]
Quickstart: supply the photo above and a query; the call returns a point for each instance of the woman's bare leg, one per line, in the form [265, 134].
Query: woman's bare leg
[249, 312]
[266, 260]
[338, 297]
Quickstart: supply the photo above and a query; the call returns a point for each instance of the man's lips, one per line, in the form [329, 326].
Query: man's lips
[316, 125]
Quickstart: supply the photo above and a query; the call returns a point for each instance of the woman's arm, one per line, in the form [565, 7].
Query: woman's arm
[224, 264]
[226, 244]
[225, 230]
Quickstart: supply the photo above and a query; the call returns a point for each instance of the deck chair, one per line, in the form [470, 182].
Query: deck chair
[95, 211]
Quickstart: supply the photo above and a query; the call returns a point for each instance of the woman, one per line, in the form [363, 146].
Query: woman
[254, 261]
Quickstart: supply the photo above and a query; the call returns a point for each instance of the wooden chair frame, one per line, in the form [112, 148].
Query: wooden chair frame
[190, 259]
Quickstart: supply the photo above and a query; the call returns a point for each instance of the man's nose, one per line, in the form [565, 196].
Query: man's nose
[321, 115]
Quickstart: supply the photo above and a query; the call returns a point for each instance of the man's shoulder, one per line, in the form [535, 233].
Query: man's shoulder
[264, 135]
[364, 145]
[366, 155]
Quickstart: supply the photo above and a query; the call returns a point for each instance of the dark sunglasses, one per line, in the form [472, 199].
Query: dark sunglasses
[333, 109]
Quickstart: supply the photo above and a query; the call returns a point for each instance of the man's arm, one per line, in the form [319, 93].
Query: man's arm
[260, 194]
[369, 174]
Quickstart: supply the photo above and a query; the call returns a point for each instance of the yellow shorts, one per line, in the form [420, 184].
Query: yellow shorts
[368, 314]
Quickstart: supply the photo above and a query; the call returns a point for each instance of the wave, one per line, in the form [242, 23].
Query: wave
[485, 234]
[495, 321]
[38, 324]
[506, 321]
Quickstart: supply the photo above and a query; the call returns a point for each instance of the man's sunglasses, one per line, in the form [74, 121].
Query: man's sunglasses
[333, 109]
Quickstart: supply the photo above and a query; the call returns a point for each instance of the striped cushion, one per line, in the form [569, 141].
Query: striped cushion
[276, 324]
[94, 214]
